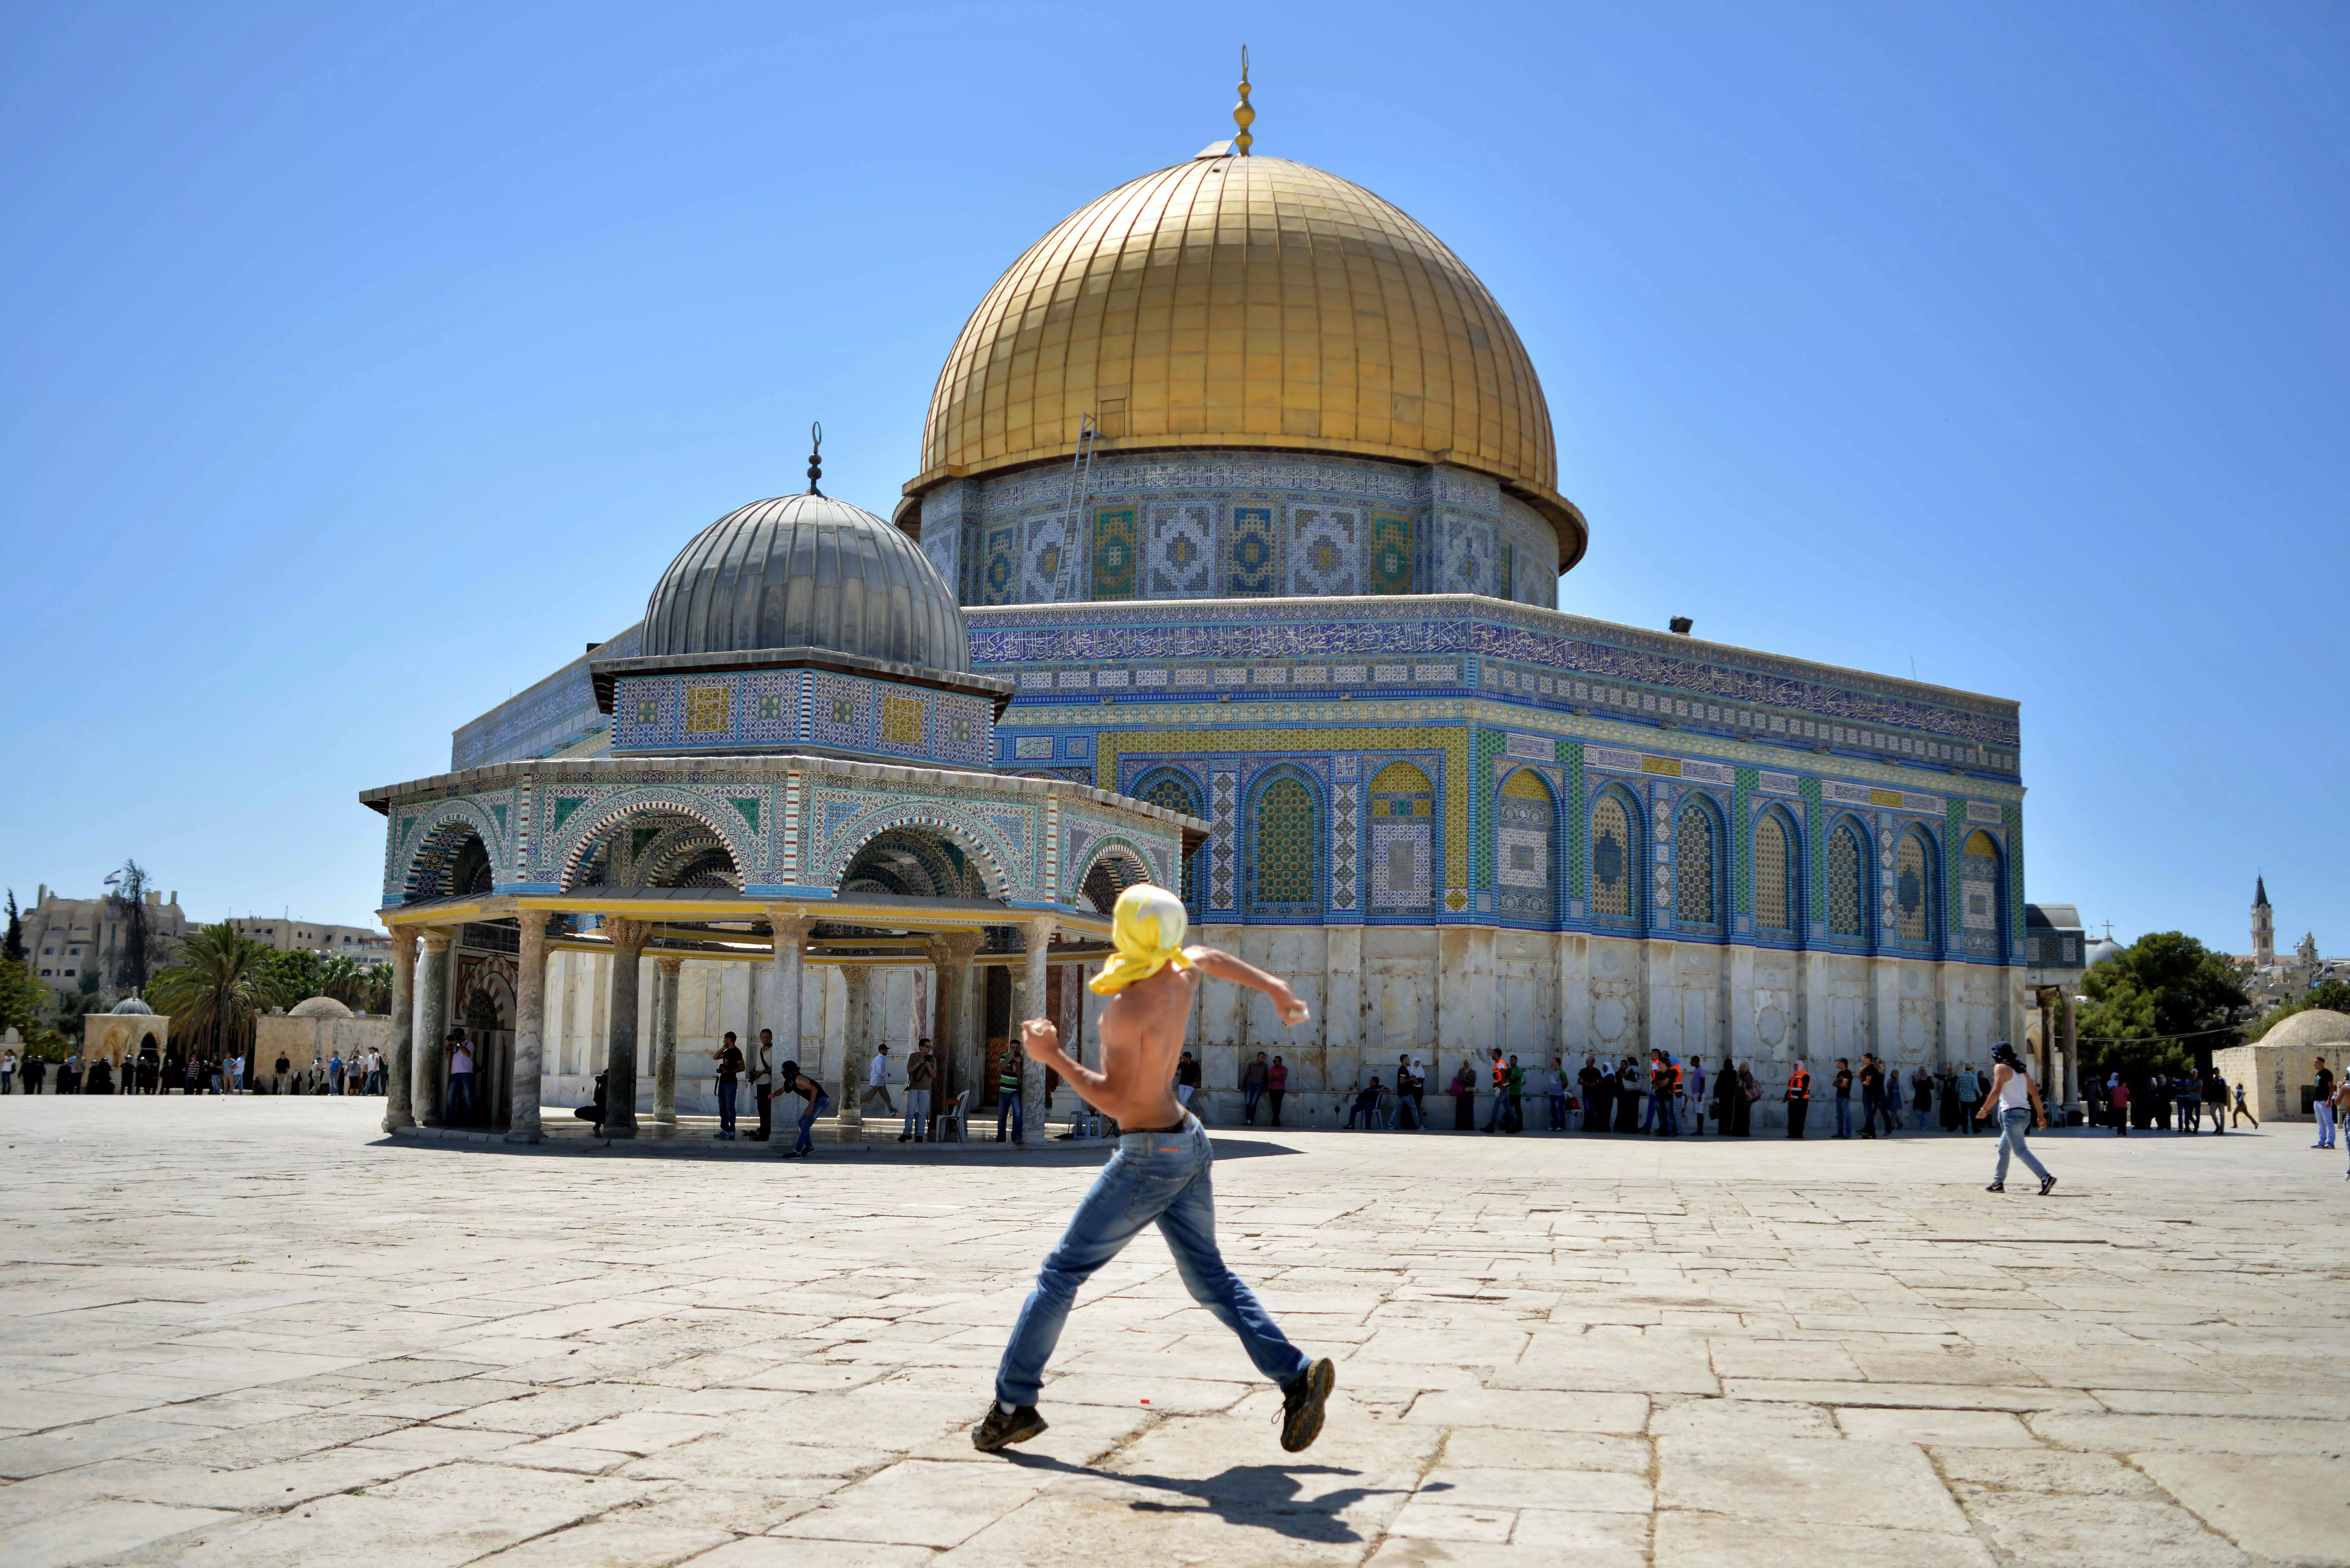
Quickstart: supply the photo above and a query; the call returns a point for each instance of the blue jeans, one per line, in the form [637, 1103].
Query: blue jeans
[460, 1094]
[806, 1143]
[1159, 1178]
[1501, 1105]
[2014, 1123]
[1920, 1112]
[1008, 1105]
[1843, 1117]
[1559, 1112]
[1668, 1121]
[1248, 1097]
[727, 1088]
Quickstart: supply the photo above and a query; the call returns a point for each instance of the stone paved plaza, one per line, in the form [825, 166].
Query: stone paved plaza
[254, 1332]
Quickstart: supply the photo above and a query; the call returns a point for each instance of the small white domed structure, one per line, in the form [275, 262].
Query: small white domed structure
[2317, 1027]
[2276, 1069]
[319, 1007]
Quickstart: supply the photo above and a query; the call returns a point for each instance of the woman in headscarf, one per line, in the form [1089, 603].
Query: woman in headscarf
[1726, 1099]
[1627, 1096]
[1742, 1114]
[1953, 1111]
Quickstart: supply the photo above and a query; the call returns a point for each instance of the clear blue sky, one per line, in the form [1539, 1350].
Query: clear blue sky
[359, 364]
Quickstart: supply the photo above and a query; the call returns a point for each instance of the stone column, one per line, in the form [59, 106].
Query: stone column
[628, 939]
[960, 1051]
[432, 1047]
[789, 972]
[1033, 1003]
[399, 1052]
[2071, 1085]
[855, 1047]
[530, 1027]
[665, 968]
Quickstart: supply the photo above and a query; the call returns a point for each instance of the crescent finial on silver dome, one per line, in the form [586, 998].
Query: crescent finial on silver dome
[815, 456]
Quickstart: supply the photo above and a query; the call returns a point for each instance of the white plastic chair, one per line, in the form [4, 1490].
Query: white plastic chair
[955, 1117]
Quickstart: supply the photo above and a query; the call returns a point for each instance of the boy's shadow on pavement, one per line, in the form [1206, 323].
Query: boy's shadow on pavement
[1264, 1496]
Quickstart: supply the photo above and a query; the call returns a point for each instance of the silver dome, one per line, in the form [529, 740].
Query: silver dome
[806, 572]
[133, 1004]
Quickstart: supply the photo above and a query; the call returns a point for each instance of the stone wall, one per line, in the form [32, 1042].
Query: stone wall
[303, 1041]
[2274, 1076]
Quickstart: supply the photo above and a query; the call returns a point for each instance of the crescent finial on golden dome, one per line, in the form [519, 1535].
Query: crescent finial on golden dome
[1243, 115]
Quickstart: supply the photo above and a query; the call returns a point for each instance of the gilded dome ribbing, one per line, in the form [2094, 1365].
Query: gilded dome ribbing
[1245, 302]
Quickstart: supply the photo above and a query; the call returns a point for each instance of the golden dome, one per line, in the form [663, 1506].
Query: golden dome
[1245, 302]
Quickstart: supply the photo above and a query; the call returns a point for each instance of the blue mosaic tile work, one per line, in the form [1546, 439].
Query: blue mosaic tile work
[779, 709]
[1252, 554]
[555, 713]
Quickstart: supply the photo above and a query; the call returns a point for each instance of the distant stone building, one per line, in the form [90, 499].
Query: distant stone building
[287, 935]
[68, 939]
[2270, 982]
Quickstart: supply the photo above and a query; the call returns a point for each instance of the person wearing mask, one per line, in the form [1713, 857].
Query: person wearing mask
[815, 1102]
[1276, 1085]
[1799, 1100]
[728, 1058]
[1464, 1098]
[2015, 1100]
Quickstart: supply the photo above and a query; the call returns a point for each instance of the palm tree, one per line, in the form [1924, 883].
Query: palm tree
[344, 978]
[222, 982]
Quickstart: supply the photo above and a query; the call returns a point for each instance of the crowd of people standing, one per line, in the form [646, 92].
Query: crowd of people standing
[362, 1072]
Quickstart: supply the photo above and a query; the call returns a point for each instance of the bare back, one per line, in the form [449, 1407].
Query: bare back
[1142, 1030]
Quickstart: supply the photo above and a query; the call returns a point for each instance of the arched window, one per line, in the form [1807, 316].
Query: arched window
[1403, 822]
[1615, 858]
[1844, 881]
[1287, 833]
[1693, 879]
[1525, 847]
[1913, 888]
[1179, 793]
[1774, 890]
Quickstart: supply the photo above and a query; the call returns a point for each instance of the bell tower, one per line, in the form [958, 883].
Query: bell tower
[2263, 925]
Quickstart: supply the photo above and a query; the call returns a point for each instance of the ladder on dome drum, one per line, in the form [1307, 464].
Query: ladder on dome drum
[1081, 475]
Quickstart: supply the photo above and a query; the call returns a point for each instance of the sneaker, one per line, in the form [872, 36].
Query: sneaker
[1301, 1405]
[905, 1138]
[1996, 1187]
[999, 1428]
[2045, 1183]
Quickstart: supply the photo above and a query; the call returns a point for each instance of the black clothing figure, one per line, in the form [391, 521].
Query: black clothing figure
[1627, 1098]
[595, 1111]
[102, 1078]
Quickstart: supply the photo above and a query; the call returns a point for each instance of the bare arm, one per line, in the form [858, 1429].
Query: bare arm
[1042, 1042]
[2039, 1111]
[1223, 966]
[1998, 1074]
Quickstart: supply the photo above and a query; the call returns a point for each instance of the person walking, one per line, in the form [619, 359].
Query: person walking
[922, 1072]
[2016, 1100]
[877, 1080]
[814, 1101]
[2117, 1095]
[1872, 1092]
[1692, 1098]
[1799, 1100]
[728, 1058]
[1007, 1096]
[2186, 1089]
[335, 1073]
[1254, 1078]
[2243, 1111]
[1554, 1084]
[1407, 1096]
[1842, 1082]
[2215, 1101]
[1160, 1173]
[2323, 1103]
[1276, 1085]
[1515, 1082]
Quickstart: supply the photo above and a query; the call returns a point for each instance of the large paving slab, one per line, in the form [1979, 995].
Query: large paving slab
[255, 1332]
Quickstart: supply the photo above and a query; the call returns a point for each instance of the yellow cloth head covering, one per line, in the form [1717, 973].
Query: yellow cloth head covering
[1147, 930]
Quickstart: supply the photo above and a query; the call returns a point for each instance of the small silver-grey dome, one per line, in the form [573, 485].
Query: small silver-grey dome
[806, 571]
[133, 1004]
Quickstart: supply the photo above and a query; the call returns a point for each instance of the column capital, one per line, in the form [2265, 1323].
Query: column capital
[629, 936]
[790, 920]
[1040, 928]
[960, 946]
[437, 939]
[668, 963]
[533, 921]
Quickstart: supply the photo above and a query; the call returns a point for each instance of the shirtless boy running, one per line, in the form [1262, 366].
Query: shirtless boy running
[1159, 1173]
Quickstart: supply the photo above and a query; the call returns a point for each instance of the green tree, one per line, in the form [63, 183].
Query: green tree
[12, 948]
[298, 976]
[222, 981]
[2163, 986]
[128, 899]
[2334, 996]
[25, 1004]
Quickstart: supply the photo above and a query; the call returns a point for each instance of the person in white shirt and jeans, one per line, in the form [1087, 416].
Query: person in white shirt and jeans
[877, 1080]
